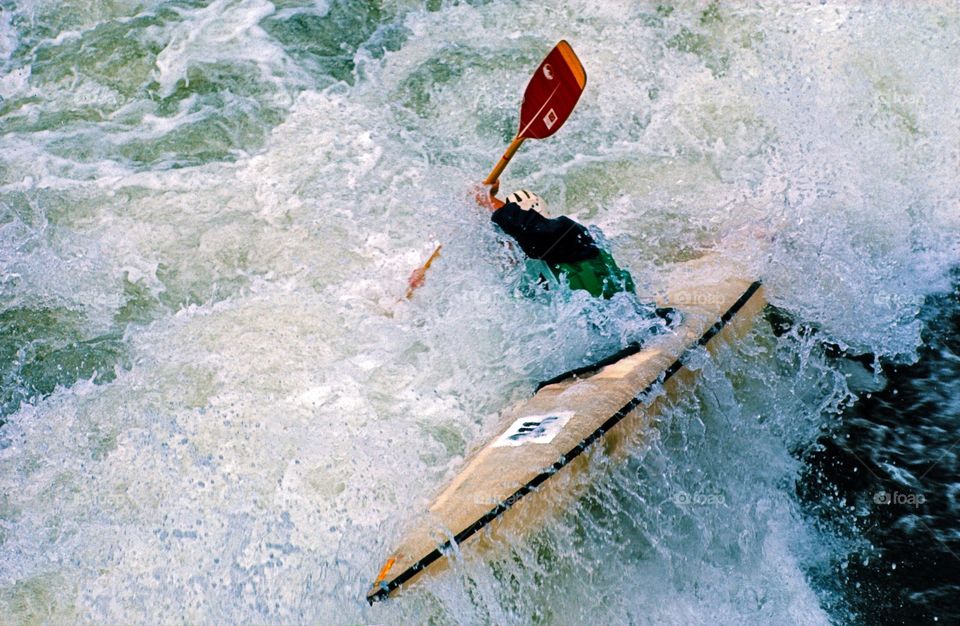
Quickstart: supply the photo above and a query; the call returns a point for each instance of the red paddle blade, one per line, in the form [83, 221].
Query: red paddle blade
[552, 93]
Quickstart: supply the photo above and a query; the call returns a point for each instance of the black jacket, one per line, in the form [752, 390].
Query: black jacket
[554, 240]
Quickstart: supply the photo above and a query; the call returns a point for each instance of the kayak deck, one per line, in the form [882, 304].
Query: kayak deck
[544, 434]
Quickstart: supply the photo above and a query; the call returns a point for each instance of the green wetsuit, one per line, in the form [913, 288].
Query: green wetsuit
[566, 248]
[600, 275]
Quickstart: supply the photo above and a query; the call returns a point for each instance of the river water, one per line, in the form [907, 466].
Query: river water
[215, 410]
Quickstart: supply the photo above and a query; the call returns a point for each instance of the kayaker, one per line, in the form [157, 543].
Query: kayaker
[565, 246]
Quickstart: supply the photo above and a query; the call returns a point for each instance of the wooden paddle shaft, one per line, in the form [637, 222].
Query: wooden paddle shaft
[422, 271]
[511, 150]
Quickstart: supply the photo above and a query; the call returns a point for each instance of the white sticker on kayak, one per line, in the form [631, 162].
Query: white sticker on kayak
[533, 429]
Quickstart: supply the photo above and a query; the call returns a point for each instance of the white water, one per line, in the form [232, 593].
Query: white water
[280, 411]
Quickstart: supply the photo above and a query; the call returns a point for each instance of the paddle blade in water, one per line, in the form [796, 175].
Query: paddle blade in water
[552, 93]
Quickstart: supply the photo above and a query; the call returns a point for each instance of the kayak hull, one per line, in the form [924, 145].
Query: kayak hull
[543, 443]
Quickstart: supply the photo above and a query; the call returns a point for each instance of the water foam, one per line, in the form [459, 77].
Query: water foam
[282, 412]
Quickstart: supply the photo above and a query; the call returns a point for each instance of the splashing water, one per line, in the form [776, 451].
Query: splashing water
[216, 411]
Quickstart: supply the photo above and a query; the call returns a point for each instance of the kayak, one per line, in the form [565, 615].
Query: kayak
[544, 441]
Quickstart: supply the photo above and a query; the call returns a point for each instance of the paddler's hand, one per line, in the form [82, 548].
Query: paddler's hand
[486, 195]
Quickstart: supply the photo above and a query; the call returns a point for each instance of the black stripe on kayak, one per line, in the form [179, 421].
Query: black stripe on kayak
[386, 588]
[630, 350]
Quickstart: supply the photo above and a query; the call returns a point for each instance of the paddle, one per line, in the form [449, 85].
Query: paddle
[419, 274]
[550, 97]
